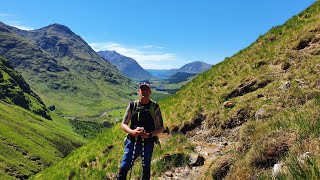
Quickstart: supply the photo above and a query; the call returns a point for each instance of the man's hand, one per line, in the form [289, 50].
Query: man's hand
[137, 132]
[144, 135]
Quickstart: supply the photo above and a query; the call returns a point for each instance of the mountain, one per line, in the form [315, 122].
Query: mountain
[195, 67]
[180, 77]
[128, 66]
[31, 138]
[64, 71]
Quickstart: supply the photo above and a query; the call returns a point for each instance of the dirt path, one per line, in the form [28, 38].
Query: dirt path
[207, 149]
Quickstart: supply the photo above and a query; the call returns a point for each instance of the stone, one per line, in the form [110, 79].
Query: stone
[199, 161]
[259, 114]
[285, 85]
[260, 96]
[168, 174]
[197, 148]
[229, 104]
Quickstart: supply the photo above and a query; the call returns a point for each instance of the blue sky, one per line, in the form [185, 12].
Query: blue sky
[159, 34]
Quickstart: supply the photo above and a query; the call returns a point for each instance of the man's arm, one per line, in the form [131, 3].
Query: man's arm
[125, 124]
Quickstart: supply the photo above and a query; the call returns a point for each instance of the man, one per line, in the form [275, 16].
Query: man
[146, 124]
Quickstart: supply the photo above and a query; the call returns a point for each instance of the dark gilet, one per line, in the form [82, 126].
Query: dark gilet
[141, 117]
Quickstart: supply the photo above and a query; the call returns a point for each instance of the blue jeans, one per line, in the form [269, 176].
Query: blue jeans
[128, 151]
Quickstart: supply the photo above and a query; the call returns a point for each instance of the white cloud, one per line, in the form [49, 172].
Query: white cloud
[147, 56]
[152, 47]
[22, 27]
[18, 25]
[10, 20]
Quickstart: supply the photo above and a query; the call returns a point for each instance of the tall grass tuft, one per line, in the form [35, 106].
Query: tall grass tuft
[304, 169]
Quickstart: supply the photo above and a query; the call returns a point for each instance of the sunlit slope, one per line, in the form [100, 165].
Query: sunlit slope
[264, 99]
[30, 143]
[14, 89]
[31, 137]
[279, 70]
[100, 158]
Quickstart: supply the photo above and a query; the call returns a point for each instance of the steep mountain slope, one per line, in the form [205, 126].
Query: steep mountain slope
[126, 65]
[28, 142]
[64, 71]
[264, 99]
[14, 89]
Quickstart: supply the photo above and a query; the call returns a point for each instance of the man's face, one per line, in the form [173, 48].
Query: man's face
[144, 91]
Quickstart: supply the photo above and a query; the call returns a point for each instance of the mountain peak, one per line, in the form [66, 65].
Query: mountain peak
[195, 67]
[59, 28]
[128, 66]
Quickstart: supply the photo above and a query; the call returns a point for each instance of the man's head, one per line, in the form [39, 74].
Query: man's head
[144, 89]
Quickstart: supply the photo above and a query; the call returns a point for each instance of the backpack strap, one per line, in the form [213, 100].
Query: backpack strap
[153, 108]
[131, 106]
[134, 107]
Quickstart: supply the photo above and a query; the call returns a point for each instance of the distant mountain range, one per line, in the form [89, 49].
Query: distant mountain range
[128, 66]
[195, 67]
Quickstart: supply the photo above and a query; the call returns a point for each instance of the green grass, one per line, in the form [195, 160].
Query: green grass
[88, 100]
[15, 90]
[100, 157]
[30, 143]
[79, 162]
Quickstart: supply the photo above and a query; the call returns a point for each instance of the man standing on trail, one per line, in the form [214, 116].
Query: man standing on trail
[146, 124]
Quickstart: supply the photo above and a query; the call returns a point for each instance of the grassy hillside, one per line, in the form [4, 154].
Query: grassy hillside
[64, 71]
[31, 137]
[100, 158]
[14, 89]
[275, 59]
[30, 143]
[266, 98]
